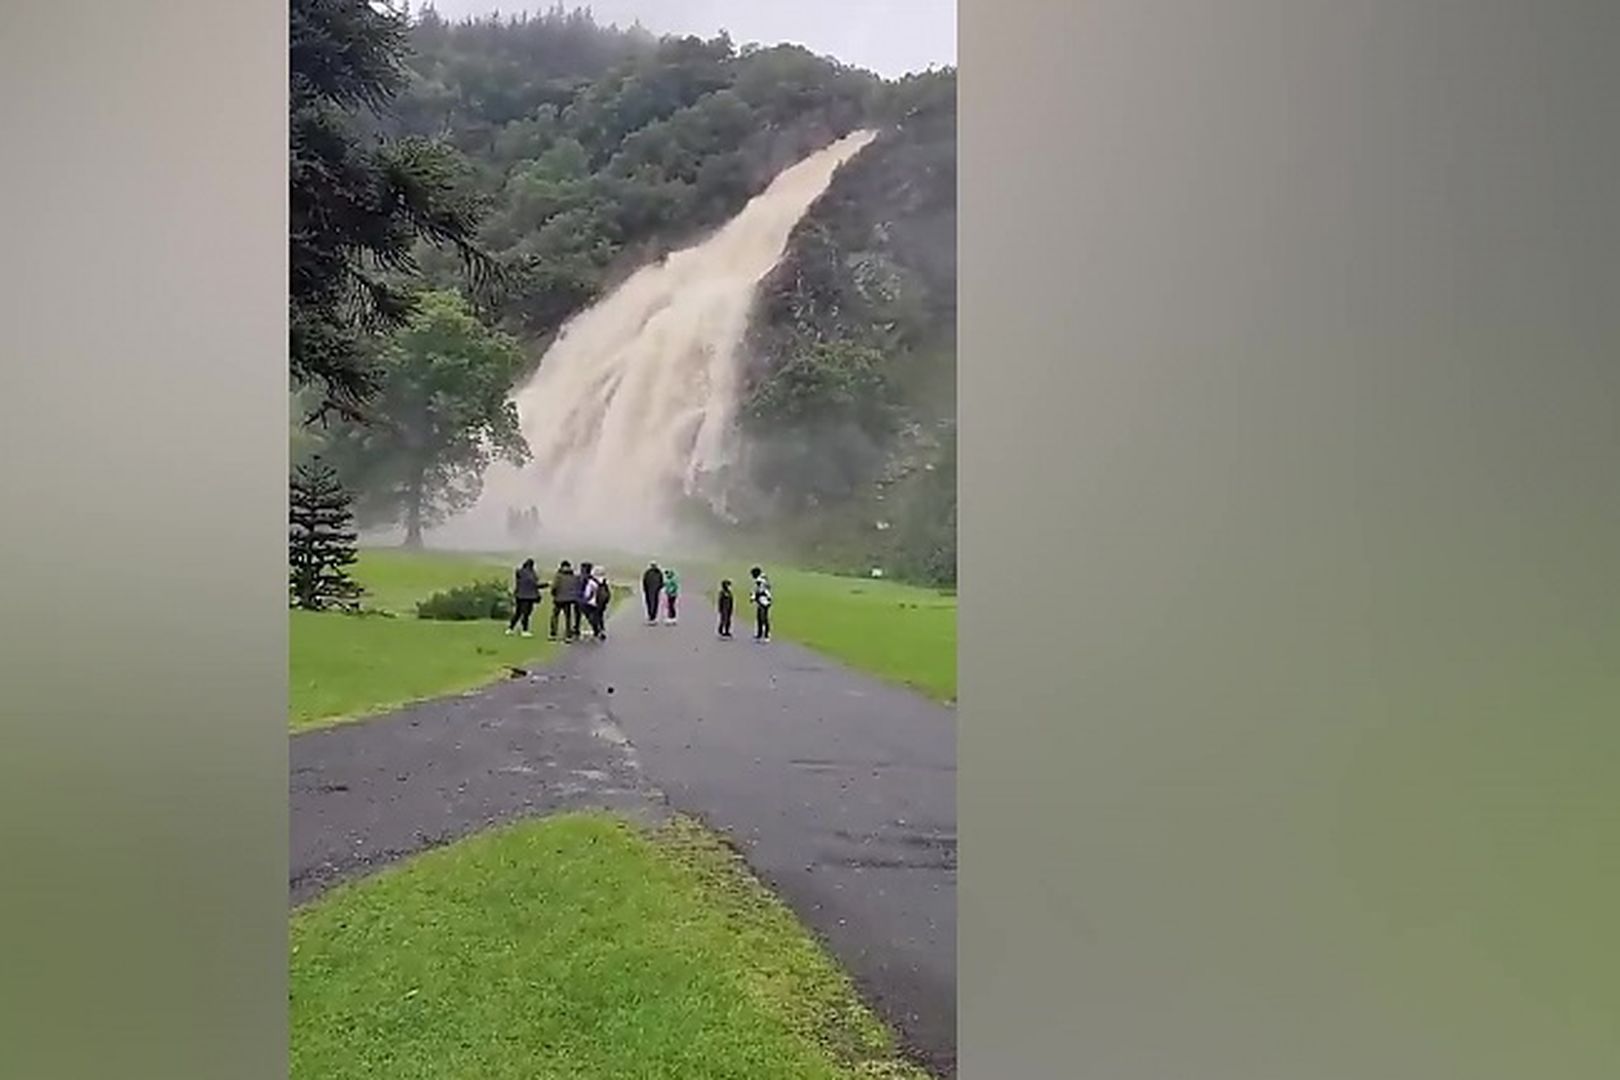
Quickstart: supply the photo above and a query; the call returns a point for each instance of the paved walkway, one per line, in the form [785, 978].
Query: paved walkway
[840, 790]
[368, 793]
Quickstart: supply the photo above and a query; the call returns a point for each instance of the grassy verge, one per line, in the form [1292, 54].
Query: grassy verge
[346, 666]
[342, 667]
[579, 947]
[903, 633]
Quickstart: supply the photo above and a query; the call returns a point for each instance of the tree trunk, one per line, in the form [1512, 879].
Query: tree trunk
[413, 515]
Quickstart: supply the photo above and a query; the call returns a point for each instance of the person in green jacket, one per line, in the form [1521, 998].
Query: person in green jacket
[672, 590]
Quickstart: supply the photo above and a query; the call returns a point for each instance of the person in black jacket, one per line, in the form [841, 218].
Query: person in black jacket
[652, 584]
[727, 603]
[565, 600]
[525, 594]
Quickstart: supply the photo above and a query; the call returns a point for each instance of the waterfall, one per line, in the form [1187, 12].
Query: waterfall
[633, 406]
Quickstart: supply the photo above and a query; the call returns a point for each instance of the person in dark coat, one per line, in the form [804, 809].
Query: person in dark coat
[652, 584]
[565, 600]
[526, 589]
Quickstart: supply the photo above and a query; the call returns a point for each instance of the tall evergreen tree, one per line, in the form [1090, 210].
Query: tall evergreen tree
[321, 540]
[358, 206]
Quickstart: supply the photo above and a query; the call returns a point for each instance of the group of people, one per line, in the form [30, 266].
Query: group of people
[761, 598]
[579, 599]
[663, 584]
[659, 584]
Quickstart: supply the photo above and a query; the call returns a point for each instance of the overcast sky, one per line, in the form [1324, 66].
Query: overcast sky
[890, 37]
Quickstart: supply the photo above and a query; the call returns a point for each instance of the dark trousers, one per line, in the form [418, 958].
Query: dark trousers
[669, 605]
[651, 596]
[725, 620]
[762, 621]
[521, 612]
[593, 615]
[563, 609]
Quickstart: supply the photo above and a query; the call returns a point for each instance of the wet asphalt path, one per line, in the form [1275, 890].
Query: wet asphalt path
[839, 789]
[368, 793]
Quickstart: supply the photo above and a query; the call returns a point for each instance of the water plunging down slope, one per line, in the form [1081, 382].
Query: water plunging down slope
[633, 405]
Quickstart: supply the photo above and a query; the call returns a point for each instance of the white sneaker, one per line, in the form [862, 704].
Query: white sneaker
[508, 631]
[527, 634]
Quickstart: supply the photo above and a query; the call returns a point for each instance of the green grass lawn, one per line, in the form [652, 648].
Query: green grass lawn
[903, 633]
[579, 947]
[342, 667]
[395, 579]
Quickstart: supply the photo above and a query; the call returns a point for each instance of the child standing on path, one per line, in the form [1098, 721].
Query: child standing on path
[672, 589]
[762, 604]
[726, 603]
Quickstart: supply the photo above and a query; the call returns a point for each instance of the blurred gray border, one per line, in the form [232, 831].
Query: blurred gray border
[1290, 417]
[143, 426]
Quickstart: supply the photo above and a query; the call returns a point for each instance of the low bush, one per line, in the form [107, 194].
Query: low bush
[466, 603]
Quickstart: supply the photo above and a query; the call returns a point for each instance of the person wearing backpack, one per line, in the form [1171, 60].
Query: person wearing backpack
[762, 604]
[600, 594]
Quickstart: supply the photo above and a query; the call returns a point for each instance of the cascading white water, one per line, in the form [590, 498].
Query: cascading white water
[633, 405]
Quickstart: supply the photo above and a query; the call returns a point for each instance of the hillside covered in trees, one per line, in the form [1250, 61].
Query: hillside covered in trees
[850, 399]
[588, 150]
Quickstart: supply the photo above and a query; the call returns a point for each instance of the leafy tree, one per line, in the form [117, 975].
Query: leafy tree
[320, 541]
[440, 416]
[358, 207]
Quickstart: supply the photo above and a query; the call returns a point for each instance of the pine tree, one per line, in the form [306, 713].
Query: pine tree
[321, 540]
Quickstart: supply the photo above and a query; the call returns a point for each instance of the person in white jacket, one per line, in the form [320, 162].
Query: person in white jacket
[762, 604]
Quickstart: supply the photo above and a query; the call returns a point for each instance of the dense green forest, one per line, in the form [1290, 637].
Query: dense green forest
[595, 148]
[582, 151]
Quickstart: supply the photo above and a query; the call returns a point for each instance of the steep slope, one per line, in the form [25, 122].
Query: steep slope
[850, 395]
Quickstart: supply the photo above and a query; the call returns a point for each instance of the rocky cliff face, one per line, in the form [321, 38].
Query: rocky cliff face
[849, 409]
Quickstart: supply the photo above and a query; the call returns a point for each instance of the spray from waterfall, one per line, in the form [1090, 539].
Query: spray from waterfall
[632, 408]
